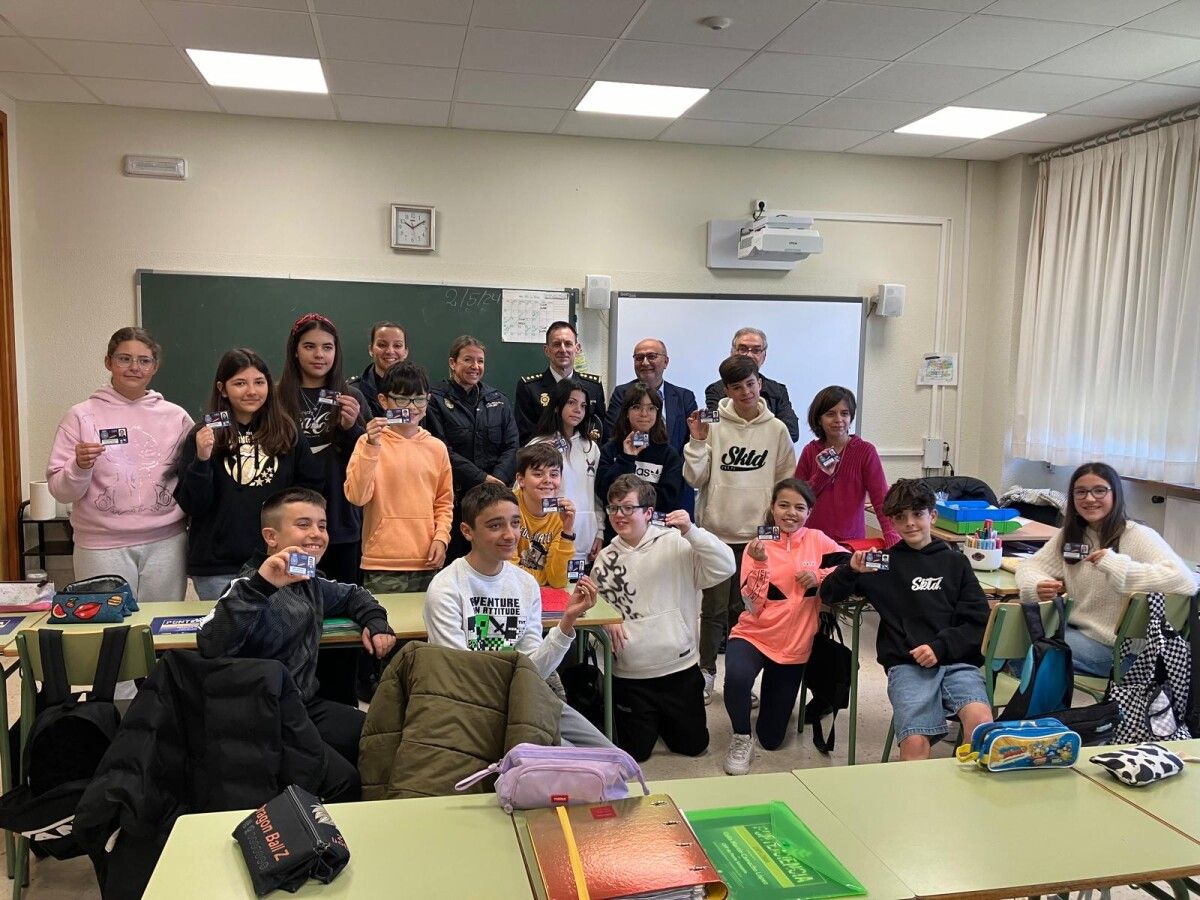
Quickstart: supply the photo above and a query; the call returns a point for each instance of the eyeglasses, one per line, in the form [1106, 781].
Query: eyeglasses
[124, 360]
[644, 408]
[623, 510]
[749, 349]
[401, 401]
[647, 357]
[1099, 492]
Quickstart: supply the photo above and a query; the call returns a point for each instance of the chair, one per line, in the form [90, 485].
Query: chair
[1133, 623]
[1005, 638]
[81, 652]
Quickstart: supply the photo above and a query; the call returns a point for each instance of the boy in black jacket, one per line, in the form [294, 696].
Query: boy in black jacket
[268, 613]
[932, 614]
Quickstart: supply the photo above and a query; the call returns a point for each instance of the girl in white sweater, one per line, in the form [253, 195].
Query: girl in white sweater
[1123, 558]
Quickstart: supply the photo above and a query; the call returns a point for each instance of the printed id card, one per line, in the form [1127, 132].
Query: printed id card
[576, 569]
[876, 561]
[828, 458]
[640, 440]
[110, 436]
[551, 504]
[710, 416]
[302, 564]
[1076, 551]
[218, 419]
[401, 416]
[327, 397]
[768, 532]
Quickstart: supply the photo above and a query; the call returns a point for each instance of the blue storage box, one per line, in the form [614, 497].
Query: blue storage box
[973, 511]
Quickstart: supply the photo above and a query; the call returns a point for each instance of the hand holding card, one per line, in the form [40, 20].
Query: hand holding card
[876, 561]
[288, 566]
[828, 459]
[112, 436]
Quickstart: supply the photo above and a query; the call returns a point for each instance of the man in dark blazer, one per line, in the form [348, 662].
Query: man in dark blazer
[753, 343]
[649, 363]
[532, 393]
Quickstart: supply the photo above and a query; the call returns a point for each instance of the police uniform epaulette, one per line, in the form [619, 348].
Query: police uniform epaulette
[536, 376]
[589, 376]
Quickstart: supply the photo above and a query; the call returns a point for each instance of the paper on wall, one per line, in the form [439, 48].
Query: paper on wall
[938, 369]
[525, 315]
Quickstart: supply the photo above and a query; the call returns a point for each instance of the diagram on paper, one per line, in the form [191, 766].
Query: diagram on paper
[938, 368]
[525, 315]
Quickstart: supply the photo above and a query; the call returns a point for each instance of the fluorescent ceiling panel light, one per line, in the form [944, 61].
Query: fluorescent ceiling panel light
[969, 122]
[657, 100]
[264, 73]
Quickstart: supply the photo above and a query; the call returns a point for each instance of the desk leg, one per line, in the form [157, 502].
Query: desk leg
[855, 627]
[6, 777]
[606, 644]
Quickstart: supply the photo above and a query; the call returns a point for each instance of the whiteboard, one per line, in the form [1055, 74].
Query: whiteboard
[812, 342]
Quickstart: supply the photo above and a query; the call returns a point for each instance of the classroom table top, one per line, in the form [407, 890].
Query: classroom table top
[999, 583]
[1174, 801]
[460, 846]
[1031, 532]
[26, 621]
[950, 830]
[708, 793]
[404, 614]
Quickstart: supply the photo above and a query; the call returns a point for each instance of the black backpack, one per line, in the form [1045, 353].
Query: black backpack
[827, 677]
[68, 739]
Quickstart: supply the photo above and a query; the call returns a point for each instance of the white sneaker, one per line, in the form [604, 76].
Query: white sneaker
[710, 684]
[753, 700]
[741, 752]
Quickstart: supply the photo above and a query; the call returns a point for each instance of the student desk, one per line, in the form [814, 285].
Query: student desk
[707, 793]
[462, 846]
[949, 830]
[1174, 802]
[1031, 533]
[1000, 584]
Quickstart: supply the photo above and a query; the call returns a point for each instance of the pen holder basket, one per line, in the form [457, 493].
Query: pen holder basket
[984, 560]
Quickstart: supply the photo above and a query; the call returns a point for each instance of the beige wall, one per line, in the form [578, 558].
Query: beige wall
[303, 198]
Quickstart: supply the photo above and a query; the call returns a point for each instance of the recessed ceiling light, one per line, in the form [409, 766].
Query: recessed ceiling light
[969, 122]
[265, 73]
[623, 99]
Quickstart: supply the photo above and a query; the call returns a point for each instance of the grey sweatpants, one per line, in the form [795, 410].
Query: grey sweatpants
[576, 731]
[155, 571]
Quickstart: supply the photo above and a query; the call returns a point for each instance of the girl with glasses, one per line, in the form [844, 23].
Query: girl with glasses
[1123, 557]
[639, 446]
[125, 520]
[312, 374]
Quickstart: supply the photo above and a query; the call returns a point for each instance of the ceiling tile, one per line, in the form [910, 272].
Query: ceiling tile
[114, 20]
[283, 104]
[292, 5]
[1061, 128]
[1092, 12]
[600, 125]
[584, 17]
[385, 41]
[994, 149]
[1124, 53]
[153, 94]
[698, 131]
[19, 55]
[393, 111]
[921, 83]
[504, 118]
[830, 139]
[755, 22]
[866, 32]
[205, 27]
[752, 106]
[1000, 43]
[512, 89]
[907, 145]
[1039, 92]
[685, 65]
[148, 62]
[497, 50]
[864, 115]
[1139, 101]
[5, 28]
[381, 80]
[800, 74]
[43, 88]
[1178, 18]
[448, 12]
[964, 6]
[1187, 75]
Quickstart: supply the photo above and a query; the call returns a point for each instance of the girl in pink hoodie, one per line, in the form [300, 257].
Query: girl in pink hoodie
[774, 635]
[110, 459]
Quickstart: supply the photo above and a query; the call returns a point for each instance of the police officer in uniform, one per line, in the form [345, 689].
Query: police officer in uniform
[475, 422]
[533, 391]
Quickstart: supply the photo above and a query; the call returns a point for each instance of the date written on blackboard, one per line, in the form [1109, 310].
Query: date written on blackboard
[472, 299]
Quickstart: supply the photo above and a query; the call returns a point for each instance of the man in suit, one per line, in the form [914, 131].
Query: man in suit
[753, 343]
[533, 391]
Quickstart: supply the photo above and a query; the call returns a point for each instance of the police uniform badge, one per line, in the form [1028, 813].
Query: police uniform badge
[545, 399]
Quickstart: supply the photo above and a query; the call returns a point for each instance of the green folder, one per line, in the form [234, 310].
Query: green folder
[339, 626]
[766, 853]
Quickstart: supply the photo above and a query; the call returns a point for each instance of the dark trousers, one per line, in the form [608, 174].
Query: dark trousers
[780, 686]
[715, 607]
[340, 727]
[341, 562]
[670, 707]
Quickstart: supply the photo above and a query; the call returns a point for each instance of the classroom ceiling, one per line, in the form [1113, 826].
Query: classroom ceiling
[792, 74]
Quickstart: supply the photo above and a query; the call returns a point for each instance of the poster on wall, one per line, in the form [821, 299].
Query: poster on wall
[938, 369]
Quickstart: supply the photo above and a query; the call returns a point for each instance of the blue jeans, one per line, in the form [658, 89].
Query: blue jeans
[1091, 657]
[923, 697]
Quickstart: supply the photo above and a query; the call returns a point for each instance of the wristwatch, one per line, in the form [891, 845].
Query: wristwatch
[569, 535]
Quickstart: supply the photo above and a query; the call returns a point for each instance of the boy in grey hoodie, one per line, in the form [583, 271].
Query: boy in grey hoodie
[654, 575]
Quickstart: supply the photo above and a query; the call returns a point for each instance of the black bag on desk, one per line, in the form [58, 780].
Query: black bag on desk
[827, 677]
[584, 684]
[290, 840]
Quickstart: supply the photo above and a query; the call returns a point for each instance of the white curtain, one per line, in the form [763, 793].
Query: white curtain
[1109, 348]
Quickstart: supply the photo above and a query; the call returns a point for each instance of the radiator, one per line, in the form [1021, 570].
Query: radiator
[1181, 527]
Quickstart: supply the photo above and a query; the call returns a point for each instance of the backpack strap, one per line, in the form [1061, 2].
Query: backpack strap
[1032, 611]
[108, 665]
[55, 687]
[1193, 710]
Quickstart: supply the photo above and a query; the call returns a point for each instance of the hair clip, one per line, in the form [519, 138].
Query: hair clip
[308, 318]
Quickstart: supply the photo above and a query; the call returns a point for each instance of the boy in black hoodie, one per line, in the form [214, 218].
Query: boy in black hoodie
[932, 614]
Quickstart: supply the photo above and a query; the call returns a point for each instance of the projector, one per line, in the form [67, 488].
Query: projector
[779, 238]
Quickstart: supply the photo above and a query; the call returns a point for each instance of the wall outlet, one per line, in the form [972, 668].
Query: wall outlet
[933, 455]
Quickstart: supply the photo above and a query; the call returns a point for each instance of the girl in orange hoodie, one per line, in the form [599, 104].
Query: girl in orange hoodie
[774, 634]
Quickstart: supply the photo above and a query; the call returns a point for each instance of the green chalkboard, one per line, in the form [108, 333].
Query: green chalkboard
[197, 318]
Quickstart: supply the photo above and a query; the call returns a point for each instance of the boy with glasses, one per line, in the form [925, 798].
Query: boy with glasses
[400, 474]
[654, 574]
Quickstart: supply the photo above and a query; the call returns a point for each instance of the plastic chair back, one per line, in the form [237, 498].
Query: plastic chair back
[1007, 636]
[81, 651]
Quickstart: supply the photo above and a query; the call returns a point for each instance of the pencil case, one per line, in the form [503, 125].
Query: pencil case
[1026, 744]
[102, 600]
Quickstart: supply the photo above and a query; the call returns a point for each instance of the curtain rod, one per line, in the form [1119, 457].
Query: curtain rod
[1171, 118]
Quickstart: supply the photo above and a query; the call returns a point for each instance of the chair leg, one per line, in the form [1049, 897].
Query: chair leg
[887, 742]
[21, 868]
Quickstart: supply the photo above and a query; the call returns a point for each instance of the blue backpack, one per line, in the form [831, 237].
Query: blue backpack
[1047, 679]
